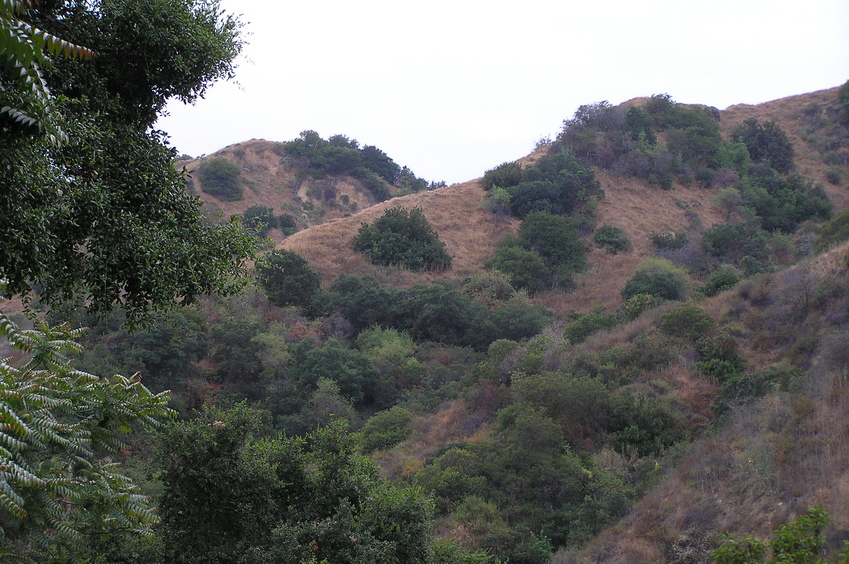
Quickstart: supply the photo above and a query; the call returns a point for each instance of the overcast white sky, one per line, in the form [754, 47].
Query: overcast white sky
[451, 88]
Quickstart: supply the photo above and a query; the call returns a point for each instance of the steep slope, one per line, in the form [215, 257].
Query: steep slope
[772, 458]
[469, 232]
[631, 204]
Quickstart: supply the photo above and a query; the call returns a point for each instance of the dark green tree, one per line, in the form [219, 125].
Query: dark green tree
[379, 163]
[287, 278]
[234, 493]
[355, 375]
[402, 238]
[766, 142]
[260, 219]
[106, 217]
[220, 177]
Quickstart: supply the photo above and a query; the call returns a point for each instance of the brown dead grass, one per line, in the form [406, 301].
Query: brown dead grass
[470, 233]
[267, 181]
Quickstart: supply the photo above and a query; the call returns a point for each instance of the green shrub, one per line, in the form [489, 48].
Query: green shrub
[260, 219]
[364, 302]
[736, 242]
[557, 183]
[784, 203]
[723, 278]
[556, 239]
[503, 176]
[379, 163]
[518, 320]
[220, 178]
[589, 323]
[386, 429]
[719, 358]
[612, 238]
[402, 238]
[544, 255]
[524, 268]
[657, 277]
[766, 142]
[687, 321]
[636, 305]
[287, 278]
[287, 223]
[373, 183]
[834, 175]
[802, 540]
[833, 232]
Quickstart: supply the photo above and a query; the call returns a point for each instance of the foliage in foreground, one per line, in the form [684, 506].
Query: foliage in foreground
[234, 493]
[60, 424]
[105, 217]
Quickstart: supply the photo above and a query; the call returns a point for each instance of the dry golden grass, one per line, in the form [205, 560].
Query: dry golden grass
[268, 182]
[470, 233]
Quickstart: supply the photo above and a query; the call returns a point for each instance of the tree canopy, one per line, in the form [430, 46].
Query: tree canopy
[404, 238]
[105, 218]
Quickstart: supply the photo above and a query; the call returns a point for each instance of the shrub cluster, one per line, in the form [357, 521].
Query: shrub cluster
[557, 183]
[402, 238]
[612, 238]
[626, 141]
[341, 155]
[441, 312]
[220, 178]
[544, 254]
[766, 142]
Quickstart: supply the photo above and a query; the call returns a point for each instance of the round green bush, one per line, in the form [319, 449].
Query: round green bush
[220, 178]
[402, 238]
[657, 277]
[287, 278]
[687, 321]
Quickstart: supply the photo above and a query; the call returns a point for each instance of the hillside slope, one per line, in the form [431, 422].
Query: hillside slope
[772, 458]
[640, 209]
[269, 179]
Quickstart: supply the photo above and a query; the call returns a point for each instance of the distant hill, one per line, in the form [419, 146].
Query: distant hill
[640, 209]
[271, 176]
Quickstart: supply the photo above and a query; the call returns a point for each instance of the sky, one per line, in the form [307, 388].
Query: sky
[453, 88]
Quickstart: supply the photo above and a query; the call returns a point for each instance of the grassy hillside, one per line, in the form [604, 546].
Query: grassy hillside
[629, 203]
